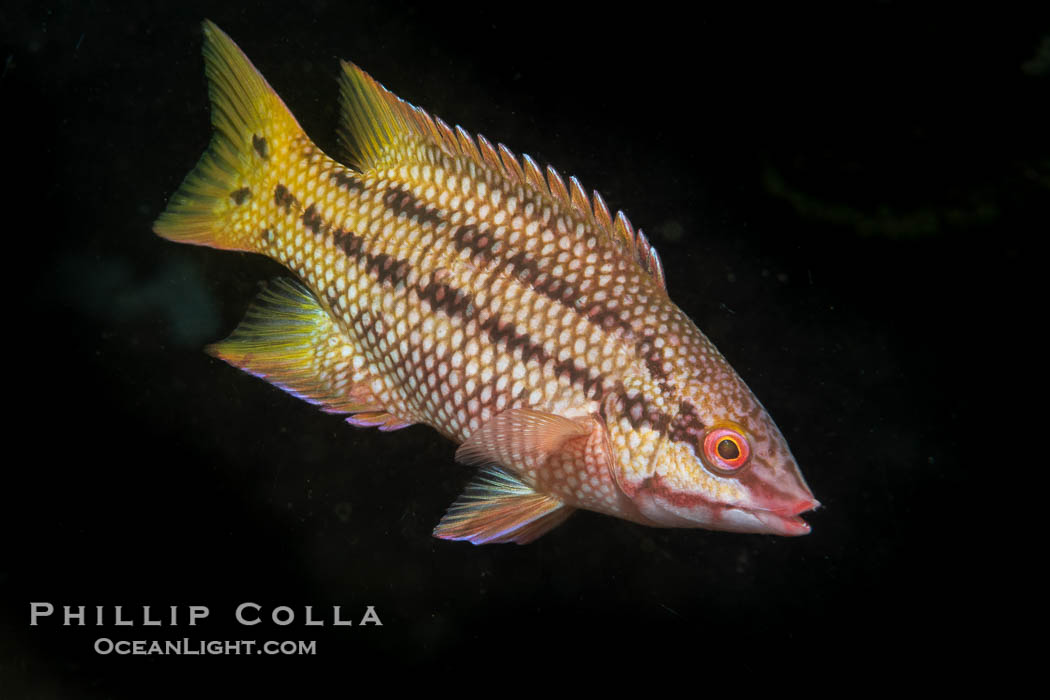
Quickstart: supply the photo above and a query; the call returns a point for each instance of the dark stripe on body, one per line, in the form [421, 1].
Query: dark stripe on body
[403, 202]
[454, 303]
[483, 249]
[460, 303]
[638, 411]
[687, 427]
[344, 178]
[348, 181]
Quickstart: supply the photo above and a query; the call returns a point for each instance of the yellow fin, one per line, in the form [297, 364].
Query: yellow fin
[497, 507]
[287, 339]
[373, 119]
[252, 129]
[378, 127]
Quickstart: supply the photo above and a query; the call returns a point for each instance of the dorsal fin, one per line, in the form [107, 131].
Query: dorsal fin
[466, 145]
[379, 128]
[510, 162]
[557, 186]
[533, 174]
[579, 198]
[649, 259]
[375, 123]
[601, 212]
[446, 135]
[489, 153]
[623, 231]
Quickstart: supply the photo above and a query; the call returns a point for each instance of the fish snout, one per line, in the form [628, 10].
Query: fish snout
[778, 497]
[786, 520]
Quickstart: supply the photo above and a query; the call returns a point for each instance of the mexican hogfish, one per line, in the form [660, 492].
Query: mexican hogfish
[442, 280]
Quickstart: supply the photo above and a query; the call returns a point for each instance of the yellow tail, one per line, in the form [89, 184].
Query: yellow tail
[252, 131]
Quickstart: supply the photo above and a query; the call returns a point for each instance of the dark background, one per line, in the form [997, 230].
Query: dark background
[836, 196]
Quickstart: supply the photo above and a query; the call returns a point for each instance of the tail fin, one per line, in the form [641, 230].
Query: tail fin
[252, 130]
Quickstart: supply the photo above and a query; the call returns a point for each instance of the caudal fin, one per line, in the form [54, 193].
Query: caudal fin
[252, 131]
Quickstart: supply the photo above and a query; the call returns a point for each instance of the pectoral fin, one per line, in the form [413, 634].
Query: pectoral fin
[519, 438]
[498, 507]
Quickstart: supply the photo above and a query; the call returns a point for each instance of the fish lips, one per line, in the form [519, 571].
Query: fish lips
[786, 522]
[677, 510]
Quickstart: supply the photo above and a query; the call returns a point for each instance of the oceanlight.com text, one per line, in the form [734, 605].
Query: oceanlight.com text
[200, 647]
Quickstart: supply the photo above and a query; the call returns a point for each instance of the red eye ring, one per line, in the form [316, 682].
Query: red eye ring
[726, 450]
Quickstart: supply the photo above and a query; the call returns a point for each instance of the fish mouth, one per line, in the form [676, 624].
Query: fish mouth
[681, 511]
[789, 521]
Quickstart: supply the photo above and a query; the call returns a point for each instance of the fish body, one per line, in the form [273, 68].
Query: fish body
[442, 280]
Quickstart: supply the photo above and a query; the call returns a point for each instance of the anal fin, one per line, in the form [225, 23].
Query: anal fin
[289, 340]
[378, 419]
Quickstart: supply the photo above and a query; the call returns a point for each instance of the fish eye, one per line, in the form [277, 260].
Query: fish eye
[726, 451]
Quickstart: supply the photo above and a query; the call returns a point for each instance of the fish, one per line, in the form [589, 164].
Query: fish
[440, 280]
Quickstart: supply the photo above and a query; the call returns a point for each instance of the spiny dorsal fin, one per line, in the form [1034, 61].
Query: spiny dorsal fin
[489, 153]
[622, 230]
[557, 186]
[466, 145]
[379, 128]
[601, 212]
[447, 135]
[510, 162]
[579, 199]
[533, 174]
[649, 259]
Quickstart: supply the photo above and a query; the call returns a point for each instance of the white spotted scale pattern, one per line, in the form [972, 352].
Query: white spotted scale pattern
[451, 284]
[441, 369]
